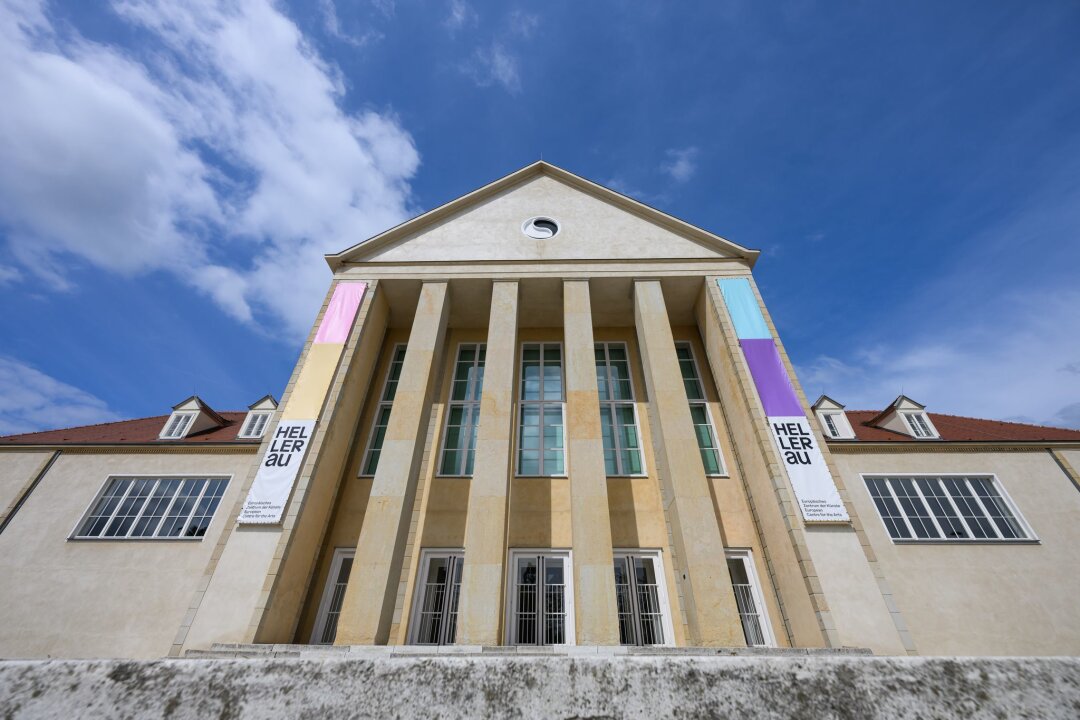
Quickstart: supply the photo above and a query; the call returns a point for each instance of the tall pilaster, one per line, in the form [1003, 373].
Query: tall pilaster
[595, 606]
[367, 610]
[479, 614]
[711, 612]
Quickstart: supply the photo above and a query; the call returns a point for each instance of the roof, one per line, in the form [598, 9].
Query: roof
[335, 260]
[135, 432]
[956, 428]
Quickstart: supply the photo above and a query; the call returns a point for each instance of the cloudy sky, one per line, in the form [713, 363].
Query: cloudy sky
[171, 173]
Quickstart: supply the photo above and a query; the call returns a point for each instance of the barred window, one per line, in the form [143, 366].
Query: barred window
[382, 413]
[153, 507]
[541, 444]
[333, 597]
[618, 414]
[641, 599]
[947, 507]
[463, 413]
[541, 600]
[435, 607]
[699, 411]
[748, 599]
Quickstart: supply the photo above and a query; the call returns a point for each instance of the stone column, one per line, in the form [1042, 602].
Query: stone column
[709, 601]
[368, 607]
[482, 581]
[595, 609]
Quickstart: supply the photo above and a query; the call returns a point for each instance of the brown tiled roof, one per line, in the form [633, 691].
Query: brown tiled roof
[126, 432]
[961, 429]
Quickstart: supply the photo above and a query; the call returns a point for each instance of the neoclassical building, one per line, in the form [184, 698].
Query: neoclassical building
[542, 414]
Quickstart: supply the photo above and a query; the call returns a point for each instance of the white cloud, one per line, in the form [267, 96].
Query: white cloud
[332, 26]
[494, 65]
[681, 163]
[9, 274]
[523, 23]
[461, 14]
[1015, 368]
[30, 400]
[223, 156]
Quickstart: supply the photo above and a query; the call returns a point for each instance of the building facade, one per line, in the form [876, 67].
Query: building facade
[542, 414]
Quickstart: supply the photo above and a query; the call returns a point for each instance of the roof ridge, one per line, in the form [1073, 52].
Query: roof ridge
[984, 420]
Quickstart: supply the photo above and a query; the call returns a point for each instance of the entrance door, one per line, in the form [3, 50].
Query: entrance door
[641, 600]
[541, 599]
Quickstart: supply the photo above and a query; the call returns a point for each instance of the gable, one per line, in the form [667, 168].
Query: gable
[594, 224]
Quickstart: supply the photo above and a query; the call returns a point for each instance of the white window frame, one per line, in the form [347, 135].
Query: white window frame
[1029, 532]
[917, 432]
[255, 424]
[747, 558]
[175, 429]
[511, 585]
[661, 581]
[522, 404]
[828, 424]
[383, 404]
[426, 556]
[468, 405]
[158, 477]
[703, 403]
[323, 615]
[611, 405]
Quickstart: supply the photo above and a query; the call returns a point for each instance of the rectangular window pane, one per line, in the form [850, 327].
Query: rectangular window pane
[969, 508]
[154, 507]
[999, 511]
[941, 507]
[337, 585]
[914, 508]
[463, 415]
[887, 508]
[526, 618]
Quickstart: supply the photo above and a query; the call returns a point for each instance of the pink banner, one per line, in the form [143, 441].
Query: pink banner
[773, 384]
[340, 313]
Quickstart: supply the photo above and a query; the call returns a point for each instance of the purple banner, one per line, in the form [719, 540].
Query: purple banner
[771, 378]
[337, 321]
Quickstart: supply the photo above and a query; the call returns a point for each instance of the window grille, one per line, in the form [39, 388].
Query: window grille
[541, 445]
[748, 600]
[382, 412]
[640, 599]
[463, 412]
[153, 507]
[540, 600]
[699, 411]
[435, 616]
[951, 508]
[618, 414]
[337, 581]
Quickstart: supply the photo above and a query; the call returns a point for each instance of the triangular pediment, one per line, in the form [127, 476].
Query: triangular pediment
[594, 223]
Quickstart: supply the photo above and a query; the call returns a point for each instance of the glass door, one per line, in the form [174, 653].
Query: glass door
[540, 598]
[641, 600]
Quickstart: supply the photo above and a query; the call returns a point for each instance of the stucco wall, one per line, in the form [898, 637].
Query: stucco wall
[983, 599]
[17, 470]
[100, 598]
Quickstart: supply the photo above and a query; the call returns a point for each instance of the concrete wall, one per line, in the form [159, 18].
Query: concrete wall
[90, 598]
[991, 598]
[635, 687]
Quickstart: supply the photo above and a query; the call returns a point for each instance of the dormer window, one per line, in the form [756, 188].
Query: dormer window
[919, 425]
[178, 425]
[255, 425]
[832, 419]
[258, 417]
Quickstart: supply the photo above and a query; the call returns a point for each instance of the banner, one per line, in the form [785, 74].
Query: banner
[273, 484]
[810, 478]
[815, 490]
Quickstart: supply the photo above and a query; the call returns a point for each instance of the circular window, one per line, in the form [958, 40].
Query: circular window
[540, 228]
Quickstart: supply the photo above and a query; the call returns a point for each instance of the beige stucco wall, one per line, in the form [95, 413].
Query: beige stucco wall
[589, 228]
[101, 598]
[18, 468]
[983, 599]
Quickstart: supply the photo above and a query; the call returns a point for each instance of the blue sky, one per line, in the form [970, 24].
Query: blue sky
[171, 173]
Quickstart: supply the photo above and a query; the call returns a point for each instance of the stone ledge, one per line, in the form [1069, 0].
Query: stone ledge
[610, 687]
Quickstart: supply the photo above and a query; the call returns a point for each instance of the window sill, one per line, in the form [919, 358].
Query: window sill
[625, 477]
[965, 541]
[544, 477]
[454, 477]
[135, 539]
